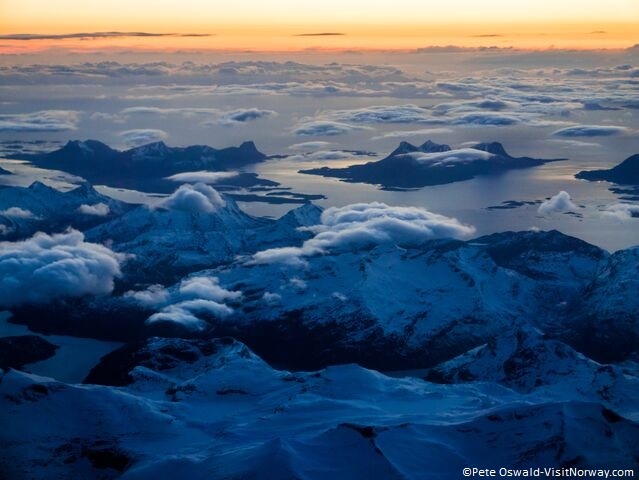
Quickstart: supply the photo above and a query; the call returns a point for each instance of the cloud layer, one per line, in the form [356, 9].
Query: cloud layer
[141, 136]
[47, 267]
[42, 121]
[590, 131]
[368, 224]
[199, 295]
[622, 211]
[202, 176]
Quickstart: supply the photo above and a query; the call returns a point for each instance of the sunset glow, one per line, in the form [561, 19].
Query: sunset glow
[286, 25]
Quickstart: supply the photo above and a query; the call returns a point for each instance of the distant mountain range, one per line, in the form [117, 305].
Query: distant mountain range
[626, 173]
[410, 166]
[144, 167]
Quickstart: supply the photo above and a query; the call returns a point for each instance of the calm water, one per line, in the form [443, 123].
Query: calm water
[72, 361]
[467, 201]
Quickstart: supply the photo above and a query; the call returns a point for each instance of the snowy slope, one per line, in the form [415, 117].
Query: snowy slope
[169, 242]
[23, 211]
[200, 411]
[447, 297]
[606, 322]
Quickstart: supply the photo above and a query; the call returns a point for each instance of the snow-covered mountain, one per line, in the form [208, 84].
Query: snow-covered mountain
[447, 297]
[181, 235]
[605, 322]
[510, 331]
[24, 211]
[410, 166]
[199, 410]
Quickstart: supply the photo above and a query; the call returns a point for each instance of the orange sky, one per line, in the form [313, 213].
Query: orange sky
[371, 24]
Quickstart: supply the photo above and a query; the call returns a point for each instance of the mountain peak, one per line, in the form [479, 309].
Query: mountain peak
[431, 147]
[38, 186]
[85, 190]
[495, 148]
[404, 147]
[248, 145]
[86, 147]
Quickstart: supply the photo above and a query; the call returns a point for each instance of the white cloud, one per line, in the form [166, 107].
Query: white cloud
[384, 114]
[17, 212]
[621, 211]
[142, 136]
[461, 155]
[323, 128]
[207, 288]
[270, 298]
[202, 176]
[242, 115]
[198, 198]
[46, 267]
[153, 296]
[318, 145]
[98, 209]
[322, 155]
[194, 296]
[298, 283]
[367, 224]
[424, 132]
[42, 121]
[590, 131]
[560, 203]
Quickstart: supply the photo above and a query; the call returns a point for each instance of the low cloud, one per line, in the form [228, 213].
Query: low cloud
[154, 296]
[47, 267]
[323, 128]
[462, 155]
[590, 131]
[322, 155]
[367, 224]
[215, 115]
[198, 198]
[42, 121]
[142, 136]
[271, 298]
[560, 203]
[489, 112]
[424, 132]
[243, 115]
[202, 176]
[194, 296]
[384, 114]
[621, 211]
[98, 209]
[317, 145]
[17, 212]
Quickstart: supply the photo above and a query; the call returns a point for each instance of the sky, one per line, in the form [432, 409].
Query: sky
[291, 25]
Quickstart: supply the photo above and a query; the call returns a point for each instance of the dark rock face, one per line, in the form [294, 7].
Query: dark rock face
[409, 166]
[18, 351]
[626, 173]
[157, 354]
[144, 167]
